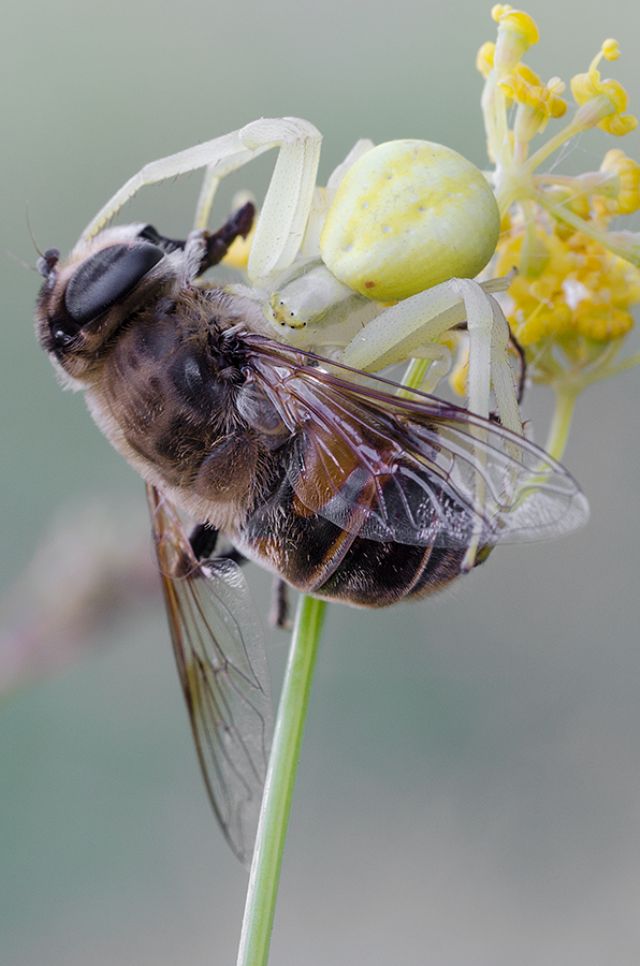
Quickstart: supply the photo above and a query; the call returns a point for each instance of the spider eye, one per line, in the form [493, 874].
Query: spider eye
[106, 277]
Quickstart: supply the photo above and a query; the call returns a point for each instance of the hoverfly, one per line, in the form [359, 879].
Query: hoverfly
[323, 475]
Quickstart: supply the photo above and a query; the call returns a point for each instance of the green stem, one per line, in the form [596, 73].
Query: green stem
[413, 376]
[278, 791]
[628, 363]
[555, 142]
[561, 422]
[623, 244]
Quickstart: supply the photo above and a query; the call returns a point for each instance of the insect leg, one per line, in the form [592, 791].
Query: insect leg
[216, 244]
[203, 540]
[279, 612]
[219, 243]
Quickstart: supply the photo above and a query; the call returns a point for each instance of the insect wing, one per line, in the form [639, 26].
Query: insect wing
[220, 657]
[414, 471]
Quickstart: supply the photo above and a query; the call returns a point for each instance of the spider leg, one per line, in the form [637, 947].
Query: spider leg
[402, 330]
[288, 199]
[359, 148]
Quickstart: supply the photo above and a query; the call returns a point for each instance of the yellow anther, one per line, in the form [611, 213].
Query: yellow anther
[459, 376]
[524, 86]
[603, 323]
[238, 254]
[485, 58]
[517, 31]
[517, 22]
[607, 99]
[619, 126]
[627, 171]
[519, 82]
[610, 49]
[582, 292]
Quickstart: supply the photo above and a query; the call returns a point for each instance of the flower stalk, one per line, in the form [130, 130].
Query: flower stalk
[561, 422]
[264, 877]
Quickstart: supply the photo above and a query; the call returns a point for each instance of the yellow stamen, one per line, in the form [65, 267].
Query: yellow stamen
[485, 58]
[517, 22]
[238, 254]
[517, 31]
[610, 49]
[459, 376]
[626, 174]
[602, 102]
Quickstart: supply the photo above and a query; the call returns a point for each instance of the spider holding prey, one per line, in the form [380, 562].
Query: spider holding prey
[252, 409]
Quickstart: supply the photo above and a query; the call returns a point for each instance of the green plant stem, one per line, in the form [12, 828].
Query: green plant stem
[555, 142]
[629, 363]
[278, 791]
[413, 376]
[561, 422]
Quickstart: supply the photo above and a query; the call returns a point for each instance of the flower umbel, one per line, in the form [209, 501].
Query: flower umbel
[578, 277]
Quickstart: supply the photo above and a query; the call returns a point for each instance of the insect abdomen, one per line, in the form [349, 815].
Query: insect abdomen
[320, 558]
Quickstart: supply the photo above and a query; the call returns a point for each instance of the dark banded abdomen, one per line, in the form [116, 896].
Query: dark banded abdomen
[320, 558]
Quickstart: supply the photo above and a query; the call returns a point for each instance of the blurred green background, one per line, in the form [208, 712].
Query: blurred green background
[469, 793]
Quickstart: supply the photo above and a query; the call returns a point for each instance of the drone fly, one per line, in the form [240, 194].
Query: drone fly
[327, 477]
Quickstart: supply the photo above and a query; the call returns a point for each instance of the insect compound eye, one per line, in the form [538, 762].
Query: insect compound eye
[106, 277]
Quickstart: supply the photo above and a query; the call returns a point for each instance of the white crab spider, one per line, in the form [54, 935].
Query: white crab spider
[303, 299]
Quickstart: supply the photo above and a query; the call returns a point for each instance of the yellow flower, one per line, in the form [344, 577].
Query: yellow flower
[577, 281]
[603, 101]
[582, 292]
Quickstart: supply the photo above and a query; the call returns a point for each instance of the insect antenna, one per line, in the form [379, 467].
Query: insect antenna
[21, 262]
[30, 230]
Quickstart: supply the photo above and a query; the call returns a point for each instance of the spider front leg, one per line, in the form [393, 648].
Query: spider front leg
[288, 200]
[402, 332]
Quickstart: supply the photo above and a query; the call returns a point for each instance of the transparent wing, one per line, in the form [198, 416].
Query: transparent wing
[220, 657]
[415, 471]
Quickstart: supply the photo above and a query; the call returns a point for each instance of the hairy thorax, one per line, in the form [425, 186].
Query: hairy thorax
[174, 395]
